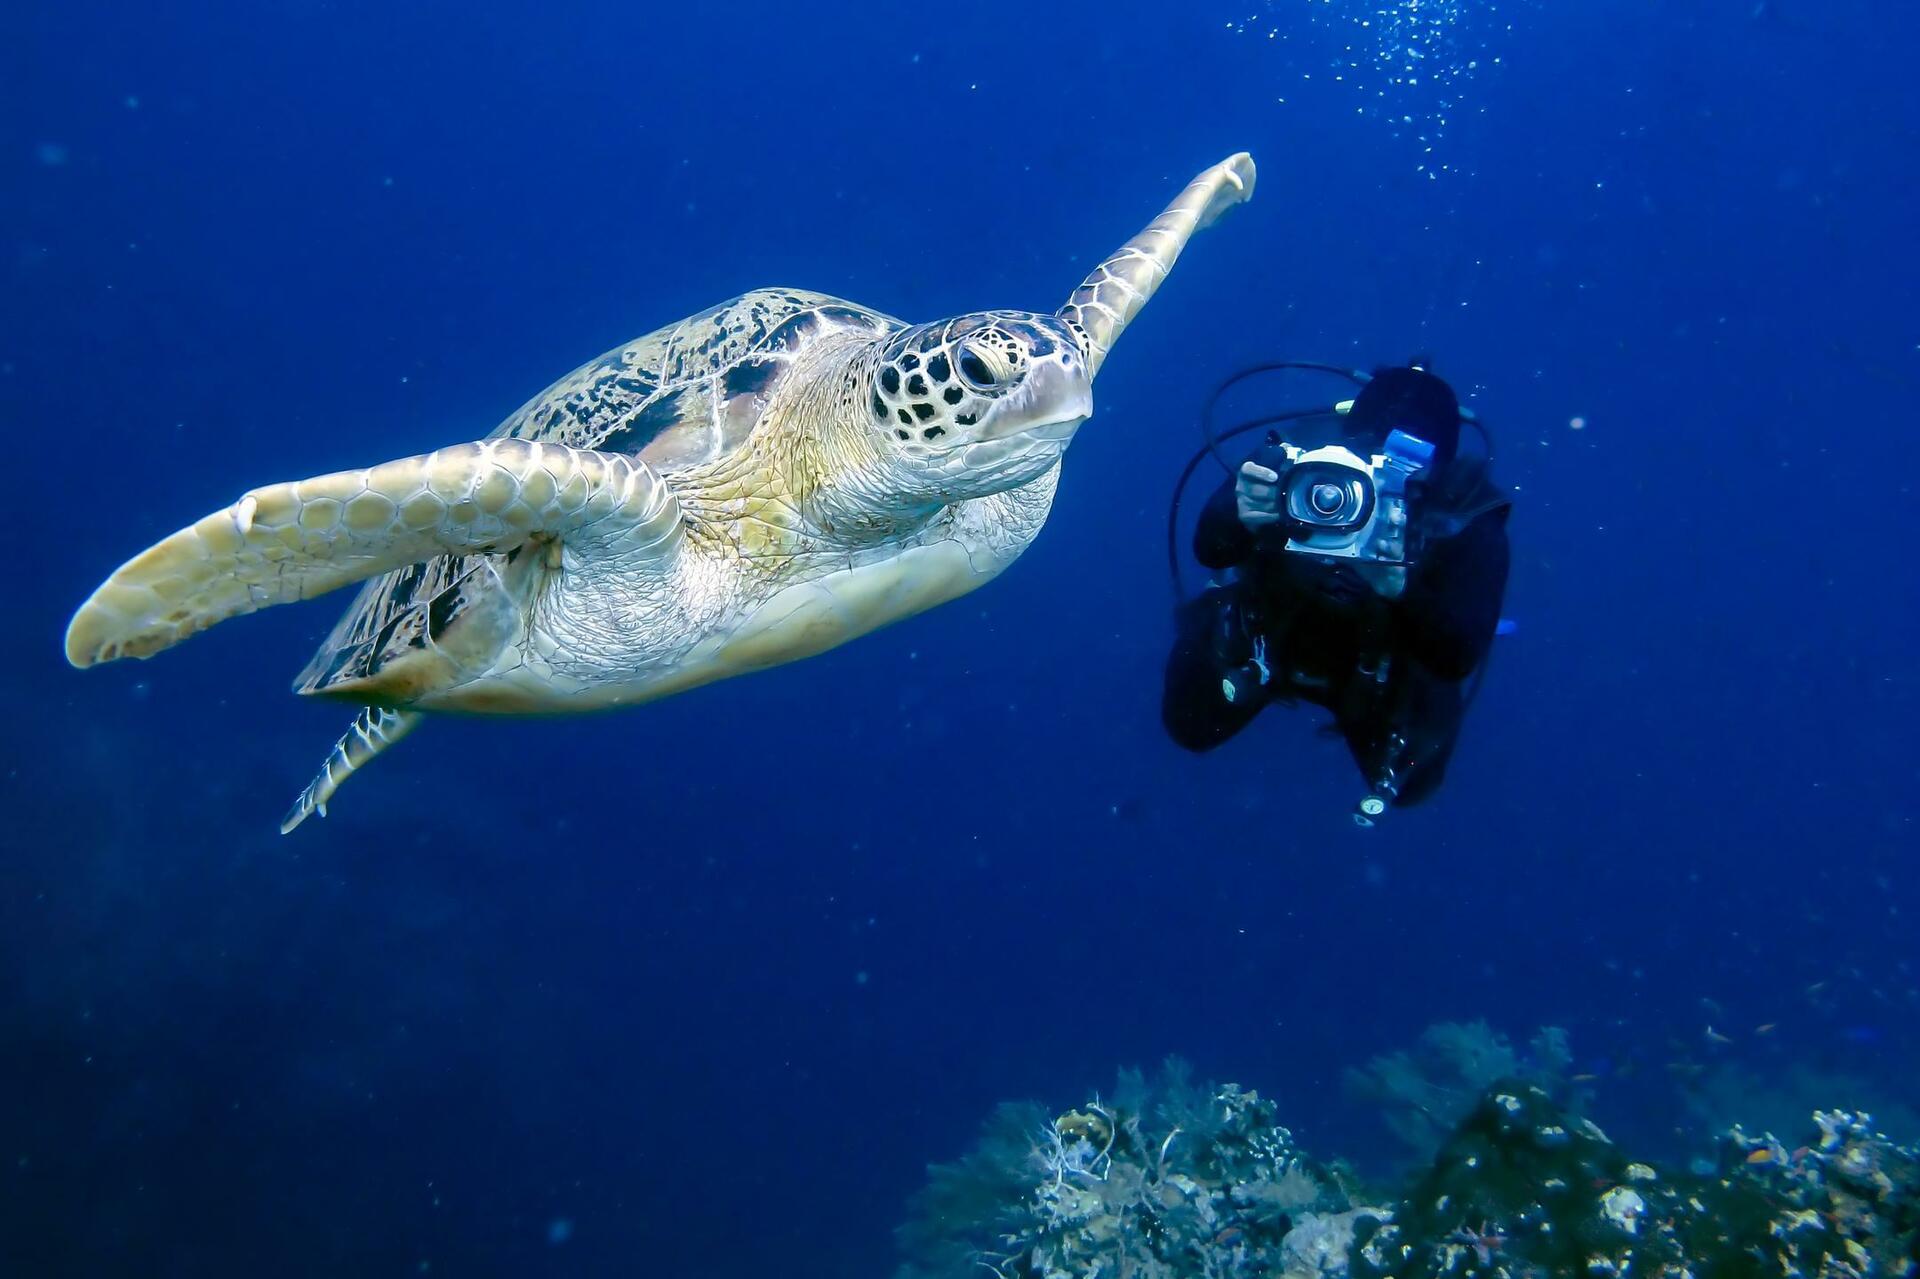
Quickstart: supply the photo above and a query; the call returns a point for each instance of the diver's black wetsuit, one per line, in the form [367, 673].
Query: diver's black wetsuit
[1392, 671]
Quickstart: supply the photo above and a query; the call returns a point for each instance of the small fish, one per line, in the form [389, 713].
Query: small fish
[1715, 1037]
[1760, 1156]
[1766, 1028]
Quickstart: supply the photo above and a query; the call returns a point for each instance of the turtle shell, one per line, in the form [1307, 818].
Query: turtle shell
[685, 394]
[693, 391]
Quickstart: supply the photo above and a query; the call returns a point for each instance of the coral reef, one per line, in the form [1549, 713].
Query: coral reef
[1523, 1189]
[1163, 1179]
[1173, 1180]
[1780, 1100]
[1423, 1094]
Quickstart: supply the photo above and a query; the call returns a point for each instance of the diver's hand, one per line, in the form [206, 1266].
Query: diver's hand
[1256, 495]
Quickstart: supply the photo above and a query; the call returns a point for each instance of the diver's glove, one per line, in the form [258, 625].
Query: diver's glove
[1256, 495]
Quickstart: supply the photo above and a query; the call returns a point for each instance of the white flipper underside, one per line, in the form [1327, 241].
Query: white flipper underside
[289, 542]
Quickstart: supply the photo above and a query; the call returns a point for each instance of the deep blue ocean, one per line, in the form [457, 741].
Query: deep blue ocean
[700, 989]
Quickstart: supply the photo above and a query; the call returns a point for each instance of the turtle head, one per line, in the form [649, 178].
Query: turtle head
[981, 403]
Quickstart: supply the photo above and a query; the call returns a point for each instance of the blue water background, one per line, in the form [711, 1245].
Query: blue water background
[700, 989]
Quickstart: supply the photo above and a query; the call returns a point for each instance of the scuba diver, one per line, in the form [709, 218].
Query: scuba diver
[1360, 559]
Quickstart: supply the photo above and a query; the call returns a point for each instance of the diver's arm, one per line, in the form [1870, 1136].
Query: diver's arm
[1243, 514]
[1220, 540]
[1193, 709]
[1452, 604]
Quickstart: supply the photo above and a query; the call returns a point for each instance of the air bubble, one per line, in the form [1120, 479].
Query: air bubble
[1410, 59]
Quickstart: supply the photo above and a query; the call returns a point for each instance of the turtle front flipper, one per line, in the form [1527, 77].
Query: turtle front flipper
[289, 542]
[373, 730]
[1109, 298]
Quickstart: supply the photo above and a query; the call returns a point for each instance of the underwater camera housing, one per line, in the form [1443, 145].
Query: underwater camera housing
[1337, 505]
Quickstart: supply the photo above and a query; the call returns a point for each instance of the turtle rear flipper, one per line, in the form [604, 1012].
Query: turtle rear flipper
[373, 730]
[289, 542]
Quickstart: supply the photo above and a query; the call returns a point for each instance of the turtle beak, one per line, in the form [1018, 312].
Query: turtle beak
[1052, 395]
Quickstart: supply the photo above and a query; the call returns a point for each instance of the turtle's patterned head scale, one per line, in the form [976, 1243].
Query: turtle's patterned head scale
[990, 399]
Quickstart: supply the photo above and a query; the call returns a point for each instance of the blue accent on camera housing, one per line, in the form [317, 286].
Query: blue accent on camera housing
[1410, 451]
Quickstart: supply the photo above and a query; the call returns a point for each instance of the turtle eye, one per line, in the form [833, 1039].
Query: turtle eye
[975, 371]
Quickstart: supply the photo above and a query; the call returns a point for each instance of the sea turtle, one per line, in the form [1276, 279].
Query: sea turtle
[755, 484]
